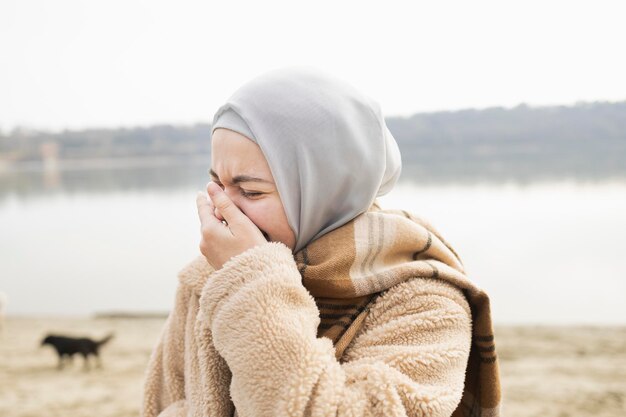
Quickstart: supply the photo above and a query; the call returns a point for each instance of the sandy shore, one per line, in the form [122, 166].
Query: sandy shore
[546, 371]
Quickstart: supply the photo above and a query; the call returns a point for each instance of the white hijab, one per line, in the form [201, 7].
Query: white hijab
[327, 145]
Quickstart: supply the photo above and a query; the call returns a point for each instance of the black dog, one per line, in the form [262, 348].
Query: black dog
[67, 347]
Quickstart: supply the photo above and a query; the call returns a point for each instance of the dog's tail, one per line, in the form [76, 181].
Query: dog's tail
[105, 340]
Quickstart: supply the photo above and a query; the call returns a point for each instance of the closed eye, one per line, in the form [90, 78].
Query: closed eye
[249, 194]
[246, 194]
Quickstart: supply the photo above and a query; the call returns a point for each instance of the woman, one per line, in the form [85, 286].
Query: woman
[309, 299]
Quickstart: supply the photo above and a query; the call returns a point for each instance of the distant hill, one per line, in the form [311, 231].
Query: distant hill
[584, 141]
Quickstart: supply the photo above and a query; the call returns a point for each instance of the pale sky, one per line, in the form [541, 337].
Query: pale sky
[80, 63]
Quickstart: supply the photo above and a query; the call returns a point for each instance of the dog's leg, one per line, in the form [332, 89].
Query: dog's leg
[61, 364]
[86, 362]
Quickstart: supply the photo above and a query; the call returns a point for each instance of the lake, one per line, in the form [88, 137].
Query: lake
[79, 242]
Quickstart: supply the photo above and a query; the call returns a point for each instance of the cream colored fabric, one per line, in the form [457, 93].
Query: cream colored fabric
[246, 336]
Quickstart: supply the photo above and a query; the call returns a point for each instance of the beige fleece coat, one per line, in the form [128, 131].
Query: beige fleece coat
[244, 337]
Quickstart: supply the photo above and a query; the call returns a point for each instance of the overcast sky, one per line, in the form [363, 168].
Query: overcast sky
[74, 64]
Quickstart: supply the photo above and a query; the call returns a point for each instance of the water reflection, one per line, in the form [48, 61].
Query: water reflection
[547, 252]
[113, 176]
[103, 177]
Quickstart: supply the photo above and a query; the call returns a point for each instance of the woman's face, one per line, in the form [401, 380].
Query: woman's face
[239, 167]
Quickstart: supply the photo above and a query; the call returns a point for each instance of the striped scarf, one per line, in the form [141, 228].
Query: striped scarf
[348, 268]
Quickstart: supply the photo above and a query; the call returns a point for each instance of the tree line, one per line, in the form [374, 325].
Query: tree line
[586, 140]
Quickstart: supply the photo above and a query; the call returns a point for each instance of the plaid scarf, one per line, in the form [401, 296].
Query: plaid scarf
[348, 268]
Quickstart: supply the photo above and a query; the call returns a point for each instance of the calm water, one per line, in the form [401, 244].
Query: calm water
[546, 253]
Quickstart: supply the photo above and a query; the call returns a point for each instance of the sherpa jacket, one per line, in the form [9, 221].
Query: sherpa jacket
[244, 337]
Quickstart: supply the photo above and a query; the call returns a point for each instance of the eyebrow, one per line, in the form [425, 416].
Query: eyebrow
[242, 178]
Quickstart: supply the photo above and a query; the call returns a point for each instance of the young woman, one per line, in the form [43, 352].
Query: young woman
[309, 299]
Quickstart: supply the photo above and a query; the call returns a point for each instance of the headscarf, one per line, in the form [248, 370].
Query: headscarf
[327, 145]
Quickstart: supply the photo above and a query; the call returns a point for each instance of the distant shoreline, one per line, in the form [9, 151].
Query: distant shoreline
[131, 315]
[104, 163]
[162, 315]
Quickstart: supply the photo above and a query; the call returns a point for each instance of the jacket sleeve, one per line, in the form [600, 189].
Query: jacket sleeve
[163, 391]
[409, 360]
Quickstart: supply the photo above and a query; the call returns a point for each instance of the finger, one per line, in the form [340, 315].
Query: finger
[205, 209]
[224, 205]
[217, 213]
[213, 209]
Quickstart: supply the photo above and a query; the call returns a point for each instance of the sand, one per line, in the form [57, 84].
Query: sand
[546, 371]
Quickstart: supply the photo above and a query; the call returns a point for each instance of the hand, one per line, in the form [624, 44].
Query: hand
[220, 241]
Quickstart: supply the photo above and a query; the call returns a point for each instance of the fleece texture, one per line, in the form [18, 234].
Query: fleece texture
[251, 336]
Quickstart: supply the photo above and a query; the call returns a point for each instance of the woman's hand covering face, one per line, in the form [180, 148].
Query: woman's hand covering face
[220, 241]
[240, 169]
